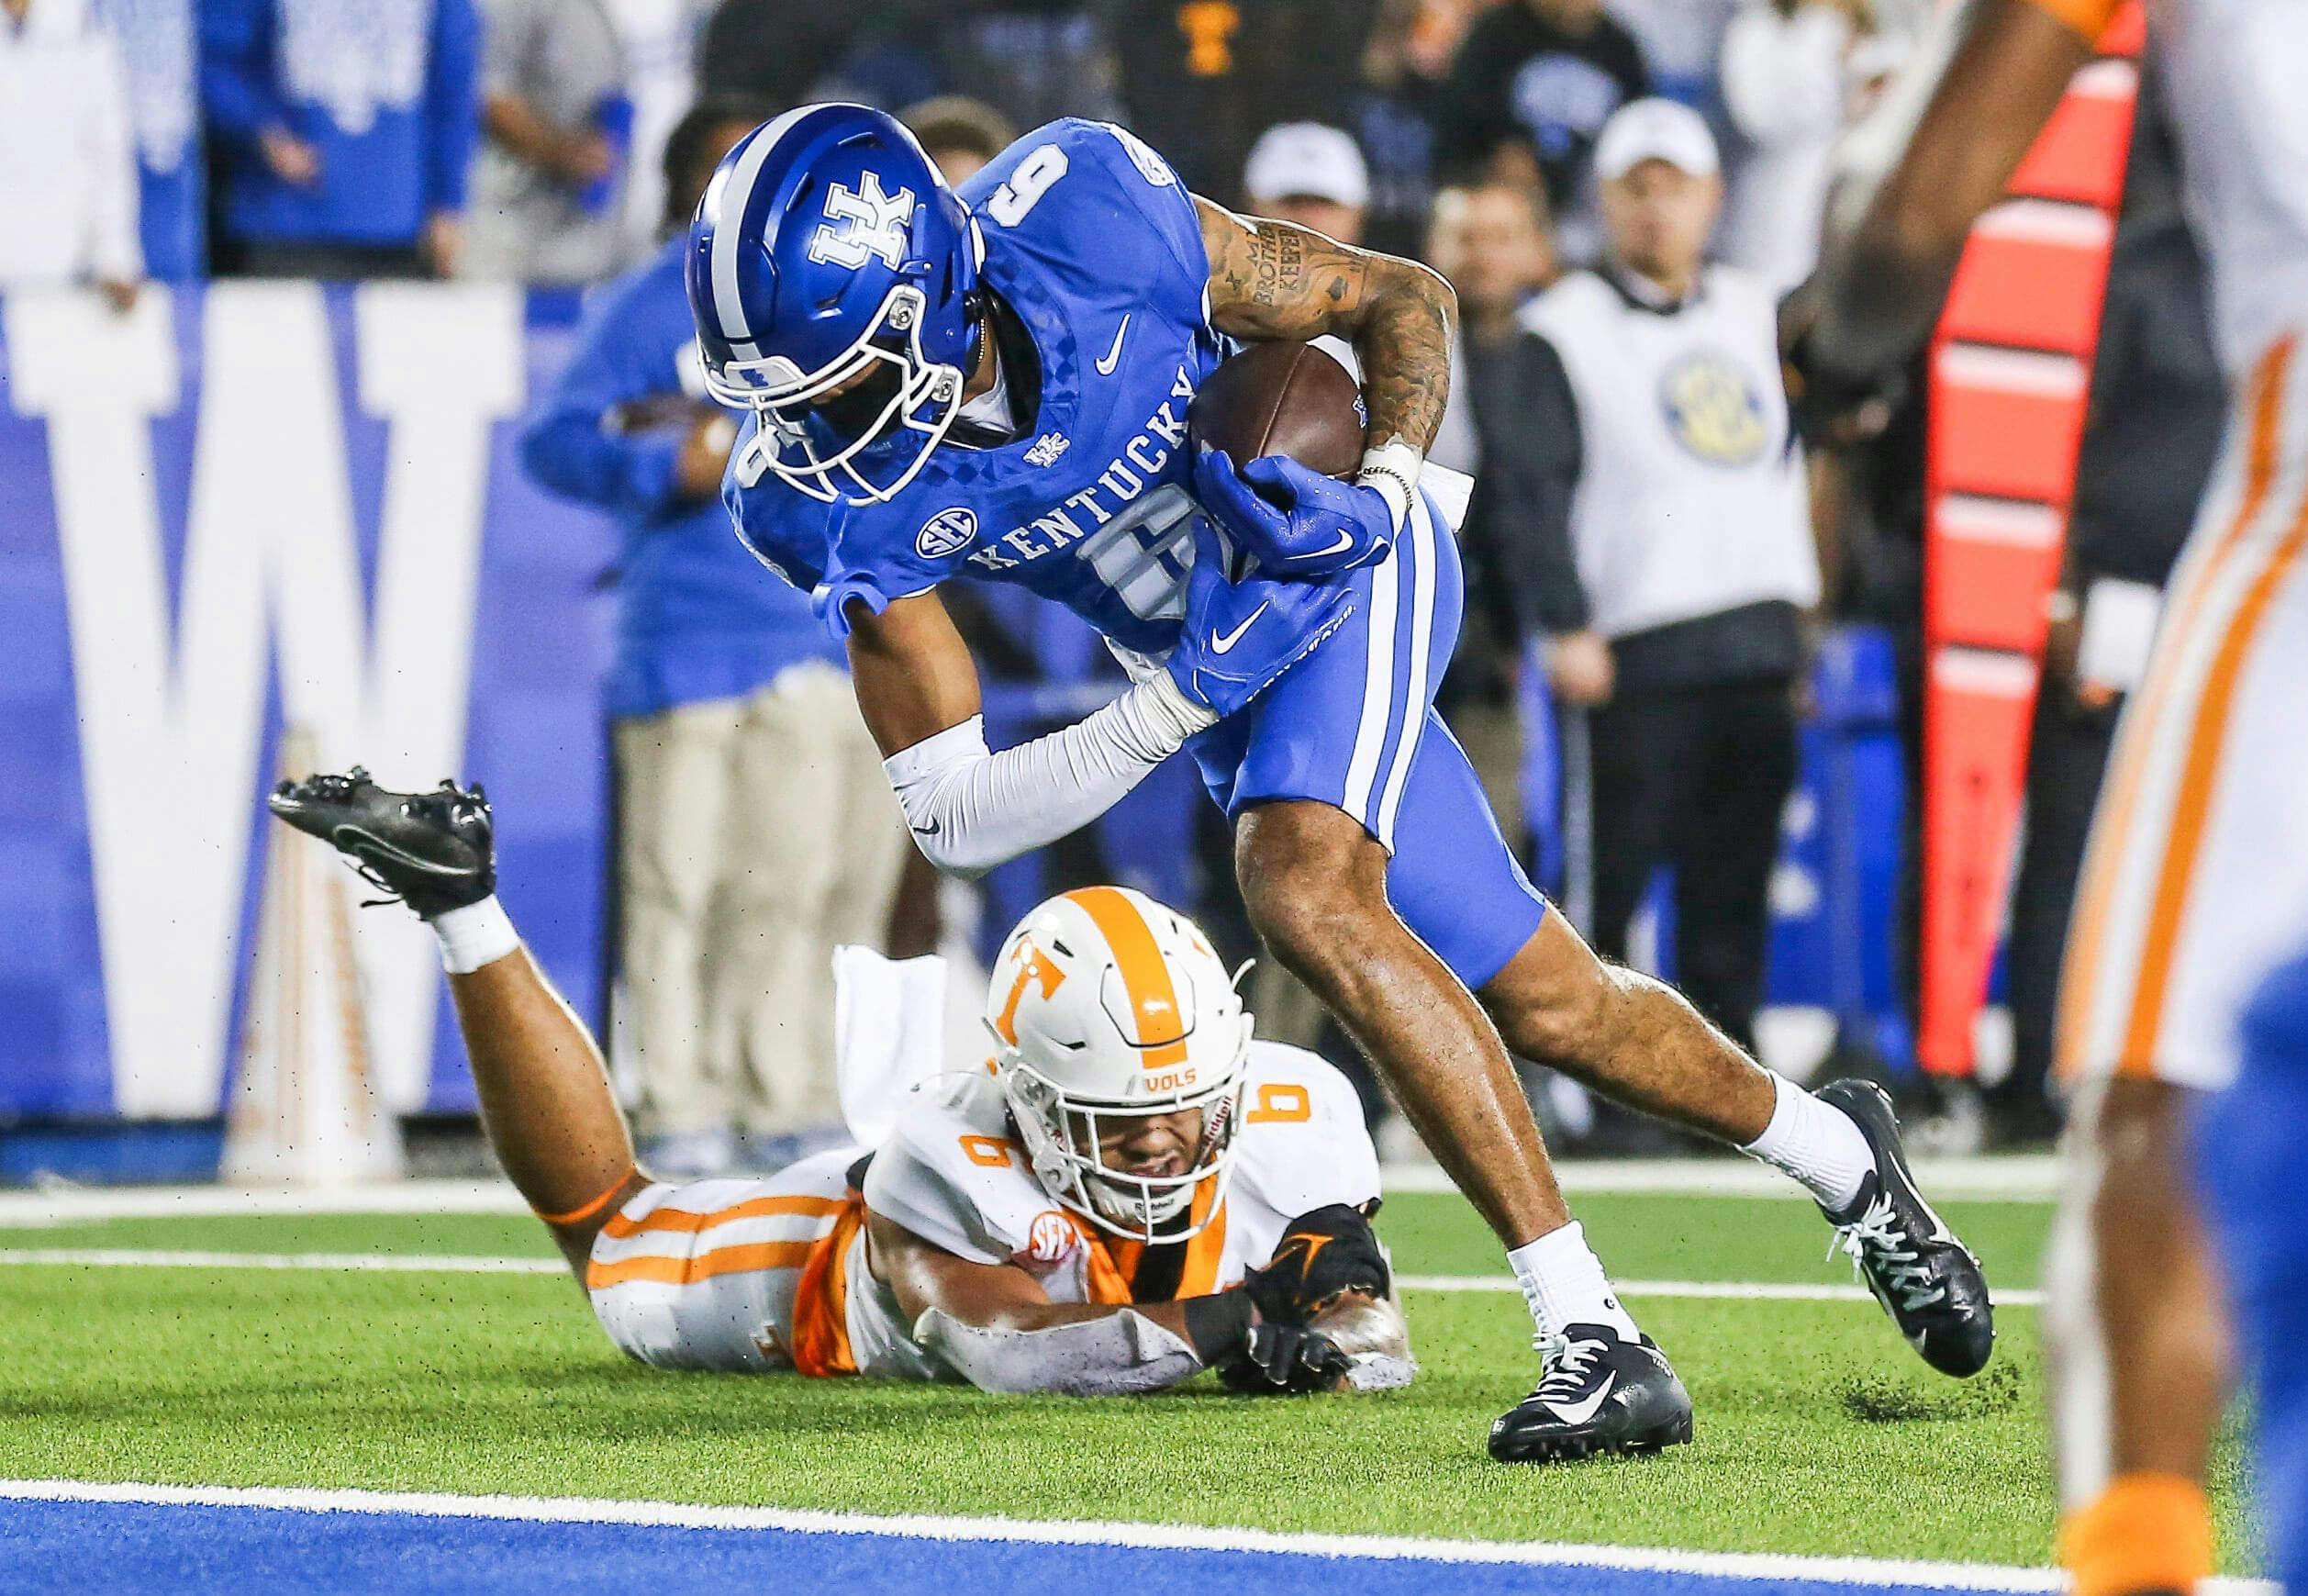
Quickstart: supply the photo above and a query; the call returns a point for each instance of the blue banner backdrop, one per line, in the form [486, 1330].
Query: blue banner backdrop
[228, 510]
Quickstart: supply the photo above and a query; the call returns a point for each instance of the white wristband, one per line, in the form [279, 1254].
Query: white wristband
[479, 934]
[1169, 715]
[1392, 471]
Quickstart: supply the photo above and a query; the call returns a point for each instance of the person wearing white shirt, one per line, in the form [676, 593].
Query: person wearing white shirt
[68, 182]
[1664, 463]
[1783, 86]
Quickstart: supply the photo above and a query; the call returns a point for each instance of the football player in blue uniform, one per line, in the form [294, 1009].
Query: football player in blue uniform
[2247, 1154]
[992, 384]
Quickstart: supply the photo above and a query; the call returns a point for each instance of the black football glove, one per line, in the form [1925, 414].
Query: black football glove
[1827, 408]
[1329, 1250]
[1284, 1360]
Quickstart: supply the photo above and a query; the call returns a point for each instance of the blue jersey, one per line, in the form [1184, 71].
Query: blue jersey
[1091, 239]
[1094, 243]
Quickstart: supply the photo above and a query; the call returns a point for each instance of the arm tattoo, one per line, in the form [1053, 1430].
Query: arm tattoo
[1271, 280]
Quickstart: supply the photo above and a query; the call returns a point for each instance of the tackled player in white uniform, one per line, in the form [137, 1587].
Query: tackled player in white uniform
[1130, 1190]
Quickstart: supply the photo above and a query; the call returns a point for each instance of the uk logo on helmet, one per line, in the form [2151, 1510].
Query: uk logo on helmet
[947, 532]
[872, 223]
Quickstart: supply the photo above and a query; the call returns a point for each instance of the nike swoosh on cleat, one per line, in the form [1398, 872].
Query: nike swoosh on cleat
[354, 838]
[932, 830]
[1579, 1412]
[1114, 355]
[1224, 642]
[1345, 542]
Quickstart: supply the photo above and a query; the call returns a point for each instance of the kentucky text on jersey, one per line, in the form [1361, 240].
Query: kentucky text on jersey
[1123, 480]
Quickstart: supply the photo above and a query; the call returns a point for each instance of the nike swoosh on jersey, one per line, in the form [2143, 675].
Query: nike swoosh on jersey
[1345, 542]
[1579, 1412]
[1222, 643]
[1114, 355]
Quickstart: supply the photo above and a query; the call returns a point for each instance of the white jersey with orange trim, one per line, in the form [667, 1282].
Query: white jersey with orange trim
[2198, 867]
[2196, 881]
[2231, 72]
[757, 1274]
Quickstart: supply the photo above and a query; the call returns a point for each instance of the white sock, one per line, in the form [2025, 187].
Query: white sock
[1564, 1284]
[1817, 1144]
[479, 934]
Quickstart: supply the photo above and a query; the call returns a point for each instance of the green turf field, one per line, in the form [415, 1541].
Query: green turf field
[1818, 1430]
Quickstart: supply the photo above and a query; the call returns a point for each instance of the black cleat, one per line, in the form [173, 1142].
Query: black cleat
[432, 850]
[1926, 1279]
[1600, 1394]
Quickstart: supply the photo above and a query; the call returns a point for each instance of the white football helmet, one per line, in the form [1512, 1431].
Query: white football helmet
[1105, 1005]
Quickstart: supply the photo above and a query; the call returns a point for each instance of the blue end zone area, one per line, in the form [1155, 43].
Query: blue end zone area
[133, 1548]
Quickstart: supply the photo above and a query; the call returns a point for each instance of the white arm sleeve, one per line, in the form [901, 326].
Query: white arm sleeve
[1120, 1354]
[972, 809]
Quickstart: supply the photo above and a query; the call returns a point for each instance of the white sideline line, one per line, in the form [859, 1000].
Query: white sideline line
[2029, 1177]
[374, 1262]
[551, 1510]
[2015, 1179]
[68, 1205]
[1730, 1290]
[449, 1264]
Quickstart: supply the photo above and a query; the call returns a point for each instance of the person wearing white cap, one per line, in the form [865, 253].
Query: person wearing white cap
[1310, 175]
[1669, 477]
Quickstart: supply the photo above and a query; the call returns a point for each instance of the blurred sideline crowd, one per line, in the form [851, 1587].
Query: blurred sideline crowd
[1619, 191]
[524, 138]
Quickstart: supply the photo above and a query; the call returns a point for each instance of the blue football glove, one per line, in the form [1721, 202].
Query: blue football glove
[1239, 637]
[1297, 522]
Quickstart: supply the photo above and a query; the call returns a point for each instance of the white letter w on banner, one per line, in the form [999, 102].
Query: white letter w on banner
[172, 715]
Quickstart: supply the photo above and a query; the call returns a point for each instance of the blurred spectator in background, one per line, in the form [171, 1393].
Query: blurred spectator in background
[1200, 78]
[959, 134]
[1785, 88]
[548, 184]
[68, 183]
[660, 41]
[755, 829]
[1535, 82]
[1313, 176]
[160, 43]
[1492, 241]
[339, 134]
[1670, 476]
[1032, 59]
[2157, 406]
[1682, 41]
[1405, 73]
[771, 51]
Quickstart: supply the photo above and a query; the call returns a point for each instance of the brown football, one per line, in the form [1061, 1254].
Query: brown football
[1282, 398]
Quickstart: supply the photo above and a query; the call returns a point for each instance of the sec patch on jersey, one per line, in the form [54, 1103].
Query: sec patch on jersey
[947, 532]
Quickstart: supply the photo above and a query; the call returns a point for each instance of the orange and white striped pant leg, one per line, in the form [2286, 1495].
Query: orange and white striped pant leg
[2196, 880]
[707, 1275]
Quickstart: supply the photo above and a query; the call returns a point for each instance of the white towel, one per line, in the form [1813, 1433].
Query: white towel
[888, 1035]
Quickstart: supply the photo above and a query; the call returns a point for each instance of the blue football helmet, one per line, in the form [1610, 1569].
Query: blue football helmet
[833, 275]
